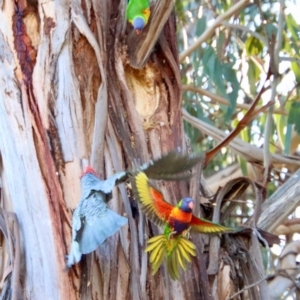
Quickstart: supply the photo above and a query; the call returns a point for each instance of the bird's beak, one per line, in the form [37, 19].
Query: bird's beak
[137, 31]
[191, 205]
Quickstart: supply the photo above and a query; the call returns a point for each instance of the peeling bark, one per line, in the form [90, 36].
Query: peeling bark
[70, 97]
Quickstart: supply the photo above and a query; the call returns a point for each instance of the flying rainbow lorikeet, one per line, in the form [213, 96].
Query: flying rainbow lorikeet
[177, 220]
[138, 13]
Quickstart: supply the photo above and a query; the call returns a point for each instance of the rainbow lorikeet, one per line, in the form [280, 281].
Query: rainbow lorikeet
[177, 220]
[93, 222]
[138, 13]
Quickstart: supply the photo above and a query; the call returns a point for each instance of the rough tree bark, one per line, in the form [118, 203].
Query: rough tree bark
[69, 96]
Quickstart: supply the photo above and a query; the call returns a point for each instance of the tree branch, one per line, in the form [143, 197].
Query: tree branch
[289, 226]
[247, 287]
[274, 69]
[250, 115]
[210, 31]
[248, 151]
[246, 29]
[282, 203]
[288, 264]
[218, 99]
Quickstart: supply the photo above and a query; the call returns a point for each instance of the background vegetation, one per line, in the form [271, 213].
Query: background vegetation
[250, 59]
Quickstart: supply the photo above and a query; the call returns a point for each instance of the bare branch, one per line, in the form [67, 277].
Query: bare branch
[249, 116]
[246, 29]
[288, 227]
[274, 68]
[248, 151]
[288, 263]
[247, 287]
[210, 31]
[282, 203]
[218, 99]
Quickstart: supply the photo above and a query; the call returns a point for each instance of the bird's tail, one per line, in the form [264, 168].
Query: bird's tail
[176, 250]
[93, 234]
[96, 232]
[74, 256]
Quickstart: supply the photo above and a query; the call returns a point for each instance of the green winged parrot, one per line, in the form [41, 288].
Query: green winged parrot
[173, 245]
[138, 13]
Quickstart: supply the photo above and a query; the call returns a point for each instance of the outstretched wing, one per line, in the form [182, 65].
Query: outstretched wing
[172, 166]
[205, 226]
[91, 182]
[152, 201]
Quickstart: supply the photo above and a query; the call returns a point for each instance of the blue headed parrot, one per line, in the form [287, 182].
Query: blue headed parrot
[138, 13]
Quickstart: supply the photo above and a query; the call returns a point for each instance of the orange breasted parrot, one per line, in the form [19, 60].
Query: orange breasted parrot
[177, 218]
[177, 221]
[138, 13]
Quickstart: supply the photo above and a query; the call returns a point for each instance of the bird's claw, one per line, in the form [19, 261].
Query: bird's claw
[187, 233]
[171, 233]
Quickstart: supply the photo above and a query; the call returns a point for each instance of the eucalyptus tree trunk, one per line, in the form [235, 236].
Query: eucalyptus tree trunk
[79, 87]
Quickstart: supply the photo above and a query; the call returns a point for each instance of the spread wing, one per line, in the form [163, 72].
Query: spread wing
[151, 200]
[172, 166]
[90, 182]
[205, 226]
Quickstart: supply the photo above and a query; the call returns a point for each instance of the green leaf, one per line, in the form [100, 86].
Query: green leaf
[244, 135]
[296, 69]
[220, 44]
[222, 76]
[218, 78]
[280, 122]
[213, 68]
[293, 27]
[253, 76]
[243, 166]
[288, 138]
[230, 76]
[209, 60]
[201, 26]
[253, 46]
[294, 116]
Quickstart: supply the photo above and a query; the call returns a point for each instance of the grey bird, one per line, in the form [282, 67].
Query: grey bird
[93, 222]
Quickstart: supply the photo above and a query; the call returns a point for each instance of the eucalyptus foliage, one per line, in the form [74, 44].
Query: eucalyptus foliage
[255, 43]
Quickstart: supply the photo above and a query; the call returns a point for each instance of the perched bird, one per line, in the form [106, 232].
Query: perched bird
[177, 220]
[93, 222]
[138, 13]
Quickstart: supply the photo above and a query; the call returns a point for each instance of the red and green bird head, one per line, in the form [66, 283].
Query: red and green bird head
[138, 13]
[177, 221]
